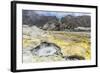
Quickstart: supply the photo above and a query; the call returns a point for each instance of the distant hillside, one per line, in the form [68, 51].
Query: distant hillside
[53, 23]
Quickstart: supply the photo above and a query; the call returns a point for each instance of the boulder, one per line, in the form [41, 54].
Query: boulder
[46, 49]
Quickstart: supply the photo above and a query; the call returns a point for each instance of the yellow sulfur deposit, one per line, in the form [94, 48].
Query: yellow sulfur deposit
[71, 43]
[80, 46]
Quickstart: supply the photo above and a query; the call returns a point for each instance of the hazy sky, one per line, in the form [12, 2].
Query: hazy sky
[60, 14]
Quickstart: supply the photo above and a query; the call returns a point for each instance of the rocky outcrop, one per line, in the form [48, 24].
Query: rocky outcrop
[46, 49]
[32, 31]
[52, 25]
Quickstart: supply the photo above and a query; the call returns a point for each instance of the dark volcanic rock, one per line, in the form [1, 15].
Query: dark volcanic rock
[74, 57]
[76, 21]
[68, 22]
[31, 18]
